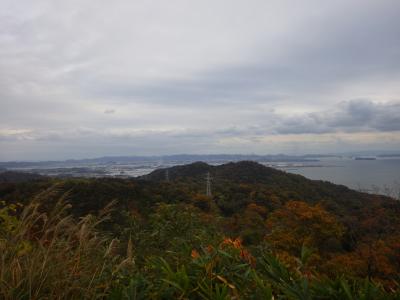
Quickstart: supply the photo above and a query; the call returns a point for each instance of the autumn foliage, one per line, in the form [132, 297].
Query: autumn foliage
[263, 234]
[298, 223]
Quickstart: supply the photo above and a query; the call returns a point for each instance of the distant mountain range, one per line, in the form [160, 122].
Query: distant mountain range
[184, 158]
[188, 158]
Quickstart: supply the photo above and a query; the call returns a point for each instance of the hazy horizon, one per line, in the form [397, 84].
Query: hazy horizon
[86, 78]
[366, 153]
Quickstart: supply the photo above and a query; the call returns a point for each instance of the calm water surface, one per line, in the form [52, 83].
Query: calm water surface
[356, 174]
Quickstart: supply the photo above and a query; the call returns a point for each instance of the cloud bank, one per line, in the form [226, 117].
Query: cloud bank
[88, 78]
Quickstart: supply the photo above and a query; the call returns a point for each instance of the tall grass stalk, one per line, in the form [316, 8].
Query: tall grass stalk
[52, 255]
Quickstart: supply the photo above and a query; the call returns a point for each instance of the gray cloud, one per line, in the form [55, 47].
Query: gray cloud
[343, 49]
[109, 111]
[196, 77]
[350, 116]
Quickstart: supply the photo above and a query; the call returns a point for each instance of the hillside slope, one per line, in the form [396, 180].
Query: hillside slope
[248, 175]
[348, 232]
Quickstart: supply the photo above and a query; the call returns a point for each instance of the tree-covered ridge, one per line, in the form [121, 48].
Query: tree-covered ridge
[263, 233]
[12, 176]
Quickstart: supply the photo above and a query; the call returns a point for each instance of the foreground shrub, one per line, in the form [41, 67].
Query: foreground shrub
[176, 254]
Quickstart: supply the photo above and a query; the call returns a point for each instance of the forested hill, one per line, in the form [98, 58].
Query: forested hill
[234, 186]
[242, 172]
[12, 176]
[246, 181]
[289, 232]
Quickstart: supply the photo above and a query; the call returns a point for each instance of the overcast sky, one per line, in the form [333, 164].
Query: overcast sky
[87, 78]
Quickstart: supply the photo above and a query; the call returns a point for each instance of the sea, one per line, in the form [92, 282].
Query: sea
[380, 176]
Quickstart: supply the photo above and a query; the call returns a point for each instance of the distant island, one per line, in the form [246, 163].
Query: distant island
[364, 158]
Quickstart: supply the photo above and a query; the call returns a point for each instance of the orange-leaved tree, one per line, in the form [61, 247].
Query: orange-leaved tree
[298, 223]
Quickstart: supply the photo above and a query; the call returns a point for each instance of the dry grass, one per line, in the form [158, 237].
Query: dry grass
[51, 255]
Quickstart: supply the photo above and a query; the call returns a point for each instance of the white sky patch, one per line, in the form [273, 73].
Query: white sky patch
[13, 132]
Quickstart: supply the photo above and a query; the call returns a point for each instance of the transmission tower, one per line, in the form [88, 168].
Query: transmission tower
[208, 187]
[167, 175]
